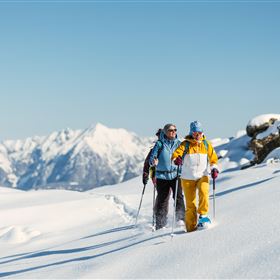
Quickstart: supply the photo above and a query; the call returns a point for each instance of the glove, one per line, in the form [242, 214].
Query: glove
[214, 173]
[155, 162]
[145, 178]
[178, 161]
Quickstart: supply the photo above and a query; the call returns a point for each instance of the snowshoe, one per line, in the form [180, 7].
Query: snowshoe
[203, 222]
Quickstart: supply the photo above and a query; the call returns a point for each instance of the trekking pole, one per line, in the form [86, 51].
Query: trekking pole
[214, 204]
[153, 226]
[175, 201]
[139, 205]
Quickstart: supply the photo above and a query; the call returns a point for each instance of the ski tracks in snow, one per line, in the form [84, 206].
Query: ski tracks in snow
[127, 213]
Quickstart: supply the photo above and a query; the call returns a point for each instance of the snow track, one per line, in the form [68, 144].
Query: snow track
[126, 212]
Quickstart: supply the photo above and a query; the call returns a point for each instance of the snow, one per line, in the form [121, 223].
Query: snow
[261, 119]
[59, 234]
[233, 153]
[108, 141]
[17, 234]
[273, 155]
[92, 157]
[4, 163]
[219, 141]
[273, 129]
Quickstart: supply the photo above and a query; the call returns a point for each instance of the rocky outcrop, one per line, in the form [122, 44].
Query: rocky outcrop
[262, 147]
[265, 138]
[254, 130]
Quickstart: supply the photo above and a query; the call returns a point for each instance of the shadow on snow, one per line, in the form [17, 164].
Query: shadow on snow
[131, 238]
[242, 187]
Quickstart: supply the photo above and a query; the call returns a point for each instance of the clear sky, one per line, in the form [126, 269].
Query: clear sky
[137, 65]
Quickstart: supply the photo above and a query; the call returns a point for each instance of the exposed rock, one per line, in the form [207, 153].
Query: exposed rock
[262, 146]
[254, 130]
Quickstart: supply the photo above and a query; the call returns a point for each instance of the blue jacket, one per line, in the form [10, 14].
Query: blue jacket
[165, 169]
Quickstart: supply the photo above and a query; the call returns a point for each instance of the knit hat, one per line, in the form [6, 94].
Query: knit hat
[195, 127]
[167, 126]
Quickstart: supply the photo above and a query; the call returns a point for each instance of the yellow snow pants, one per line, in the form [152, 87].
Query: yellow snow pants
[190, 187]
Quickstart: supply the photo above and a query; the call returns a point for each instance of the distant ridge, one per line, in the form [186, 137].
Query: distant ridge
[73, 159]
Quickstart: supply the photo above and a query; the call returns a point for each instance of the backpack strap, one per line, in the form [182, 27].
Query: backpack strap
[187, 145]
[159, 142]
[206, 145]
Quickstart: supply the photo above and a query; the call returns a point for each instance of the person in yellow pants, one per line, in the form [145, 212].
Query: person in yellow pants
[197, 157]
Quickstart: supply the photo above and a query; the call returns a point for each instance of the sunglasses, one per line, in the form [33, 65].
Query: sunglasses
[197, 134]
[172, 130]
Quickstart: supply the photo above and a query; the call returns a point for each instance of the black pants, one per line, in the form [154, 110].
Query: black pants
[164, 188]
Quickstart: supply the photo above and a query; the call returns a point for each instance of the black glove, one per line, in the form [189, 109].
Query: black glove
[145, 178]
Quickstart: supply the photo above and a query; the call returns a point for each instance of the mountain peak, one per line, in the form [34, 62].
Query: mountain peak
[95, 128]
[92, 157]
[100, 126]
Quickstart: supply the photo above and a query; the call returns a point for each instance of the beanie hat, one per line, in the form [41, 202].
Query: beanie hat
[195, 127]
[167, 126]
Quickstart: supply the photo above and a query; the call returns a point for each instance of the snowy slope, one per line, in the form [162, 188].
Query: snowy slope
[62, 234]
[79, 160]
[234, 152]
[261, 119]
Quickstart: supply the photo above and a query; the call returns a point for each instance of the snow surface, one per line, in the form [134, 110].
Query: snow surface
[273, 155]
[262, 119]
[273, 129]
[60, 234]
[233, 153]
[51, 234]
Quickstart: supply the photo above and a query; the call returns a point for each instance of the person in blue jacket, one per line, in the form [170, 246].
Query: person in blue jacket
[166, 176]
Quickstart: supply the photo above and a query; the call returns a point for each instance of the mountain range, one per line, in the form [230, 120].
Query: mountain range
[73, 159]
[85, 159]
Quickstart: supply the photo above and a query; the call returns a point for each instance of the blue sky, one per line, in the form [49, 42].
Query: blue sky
[137, 65]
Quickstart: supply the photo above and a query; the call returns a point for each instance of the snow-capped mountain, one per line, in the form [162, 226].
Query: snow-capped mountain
[97, 156]
[75, 159]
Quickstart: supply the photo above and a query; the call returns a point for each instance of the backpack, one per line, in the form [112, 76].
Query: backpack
[160, 148]
[147, 169]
